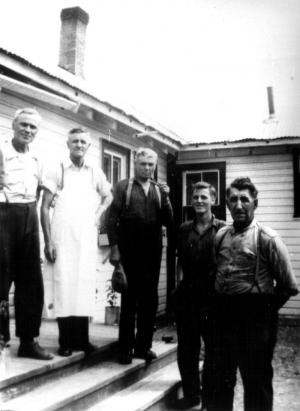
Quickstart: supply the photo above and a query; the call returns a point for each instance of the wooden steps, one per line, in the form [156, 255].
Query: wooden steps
[76, 384]
[28, 373]
[149, 393]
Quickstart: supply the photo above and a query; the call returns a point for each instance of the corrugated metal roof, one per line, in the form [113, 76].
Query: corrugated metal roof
[284, 127]
[248, 142]
[85, 87]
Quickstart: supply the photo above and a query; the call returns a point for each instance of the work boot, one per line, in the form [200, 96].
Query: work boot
[33, 350]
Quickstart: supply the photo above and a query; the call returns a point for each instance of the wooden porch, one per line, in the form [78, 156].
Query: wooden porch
[80, 383]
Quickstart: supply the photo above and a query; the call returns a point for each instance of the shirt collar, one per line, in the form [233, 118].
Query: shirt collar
[254, 223]
[150, 181]
[11, 152]
[212, 221]
[211, 224]
[67, 163]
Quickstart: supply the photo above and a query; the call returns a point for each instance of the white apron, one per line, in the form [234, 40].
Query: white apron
[70, 283]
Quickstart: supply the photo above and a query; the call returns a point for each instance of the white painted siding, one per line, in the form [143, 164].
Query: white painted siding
[162, 287]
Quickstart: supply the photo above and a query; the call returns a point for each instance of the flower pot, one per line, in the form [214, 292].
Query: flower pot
[112, 315]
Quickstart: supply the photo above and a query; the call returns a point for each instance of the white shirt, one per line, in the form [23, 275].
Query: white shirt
[22, 174]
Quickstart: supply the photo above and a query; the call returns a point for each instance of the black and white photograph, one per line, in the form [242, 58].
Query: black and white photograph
[150, 205]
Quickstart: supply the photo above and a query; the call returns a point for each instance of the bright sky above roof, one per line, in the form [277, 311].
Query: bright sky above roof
[198, 67]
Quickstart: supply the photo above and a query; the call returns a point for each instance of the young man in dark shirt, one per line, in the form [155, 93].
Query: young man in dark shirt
[196, 265]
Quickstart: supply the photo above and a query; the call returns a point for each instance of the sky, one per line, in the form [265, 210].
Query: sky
[198, 67]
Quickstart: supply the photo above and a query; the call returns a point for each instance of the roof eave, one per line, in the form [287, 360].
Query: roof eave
[290, 140]
[62, 87]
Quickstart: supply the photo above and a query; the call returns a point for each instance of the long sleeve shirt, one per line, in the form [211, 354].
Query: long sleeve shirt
[237, 262]
[196, 256]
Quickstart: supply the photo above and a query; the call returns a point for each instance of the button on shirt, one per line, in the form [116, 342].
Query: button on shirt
[236, 260]
[21, 174]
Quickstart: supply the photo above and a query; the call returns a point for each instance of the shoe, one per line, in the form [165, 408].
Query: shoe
[148, 355]
[64, 352]
[186, 403]
[34, 350]
[125, 358]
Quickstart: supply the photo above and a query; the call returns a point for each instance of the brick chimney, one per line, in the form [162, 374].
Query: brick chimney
[74, 22]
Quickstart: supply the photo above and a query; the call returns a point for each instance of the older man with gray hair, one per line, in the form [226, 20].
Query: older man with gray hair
[81, 193]
[254, 279]
[139, 209]
[20, 184]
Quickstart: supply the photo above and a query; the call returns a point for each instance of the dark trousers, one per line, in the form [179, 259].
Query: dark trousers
[193, 321]
[73, 332]
[20, 263]
[245, 337]
[139, 302]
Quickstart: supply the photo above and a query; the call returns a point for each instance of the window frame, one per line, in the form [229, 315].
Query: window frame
[184, 212]
[184, 183]
[120, 152]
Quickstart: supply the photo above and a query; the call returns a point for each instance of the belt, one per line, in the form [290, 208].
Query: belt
[30, 203]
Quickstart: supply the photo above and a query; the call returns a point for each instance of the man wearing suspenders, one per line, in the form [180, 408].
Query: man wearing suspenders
[20, 184]
[80, 193]
[254, 279]
[139, 209]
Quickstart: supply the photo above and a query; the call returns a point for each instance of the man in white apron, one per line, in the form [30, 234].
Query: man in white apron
[76, 188]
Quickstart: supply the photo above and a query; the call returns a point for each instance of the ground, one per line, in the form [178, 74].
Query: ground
[286, 365]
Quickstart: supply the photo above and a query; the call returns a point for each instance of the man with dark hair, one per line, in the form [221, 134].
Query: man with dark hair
[20, 184]
[81, 194]
[195, 269]
[139, 209]
[254, 279]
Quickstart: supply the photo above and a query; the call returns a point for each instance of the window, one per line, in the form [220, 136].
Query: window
[189, 174]
[191, 177]
[112, 166]
[115, 165]
[115, 162]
